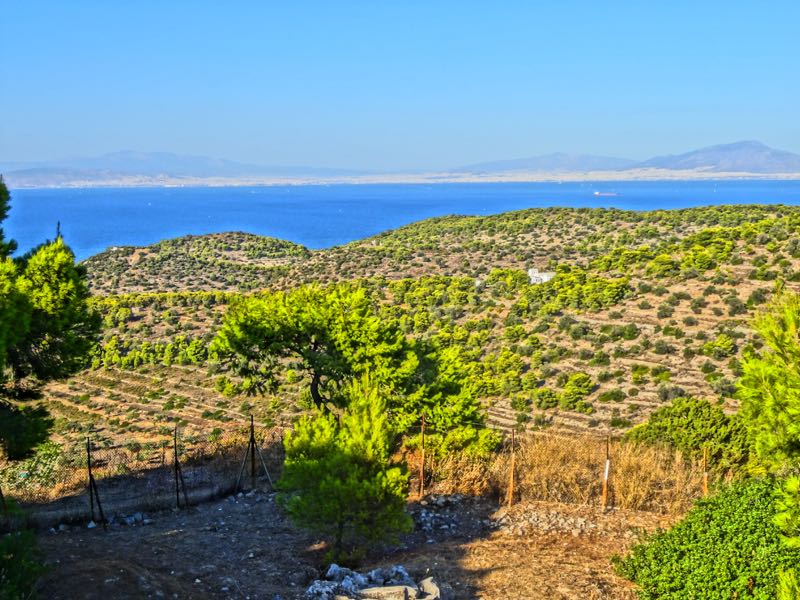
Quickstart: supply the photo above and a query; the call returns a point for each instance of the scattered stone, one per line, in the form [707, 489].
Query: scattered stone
[322, 590]
[390, 592]
[435, 591]
[379, 584]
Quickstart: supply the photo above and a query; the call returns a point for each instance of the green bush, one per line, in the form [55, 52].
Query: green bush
[338, 481]
[726, 547]
[19, 566]
[691, 425]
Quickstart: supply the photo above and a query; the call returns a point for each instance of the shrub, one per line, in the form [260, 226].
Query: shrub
[726, 547]
[546, 398]
[720, 347]
[615, 395]
[691, 425]
[577, 387]
[19, 566]
[338, 480]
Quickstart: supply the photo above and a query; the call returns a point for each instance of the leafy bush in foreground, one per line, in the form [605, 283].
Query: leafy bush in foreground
[18, 565]
[728, 546]
[338, 481]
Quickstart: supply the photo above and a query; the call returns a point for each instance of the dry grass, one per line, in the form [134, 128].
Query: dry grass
[570, 470]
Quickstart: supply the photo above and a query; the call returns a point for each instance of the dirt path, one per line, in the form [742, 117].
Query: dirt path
[243, 547]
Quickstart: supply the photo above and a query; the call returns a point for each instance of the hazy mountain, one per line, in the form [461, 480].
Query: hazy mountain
[557, 162]
[745, 157]
[164, 168]
[128, 164]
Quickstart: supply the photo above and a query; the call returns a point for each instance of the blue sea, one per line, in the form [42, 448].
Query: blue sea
[320, 216]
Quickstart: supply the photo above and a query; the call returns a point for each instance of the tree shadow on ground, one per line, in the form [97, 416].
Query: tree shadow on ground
[22, 428]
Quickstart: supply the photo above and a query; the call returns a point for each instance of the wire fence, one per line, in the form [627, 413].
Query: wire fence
[89, 482]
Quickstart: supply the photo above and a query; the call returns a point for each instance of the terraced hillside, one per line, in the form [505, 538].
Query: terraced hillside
[644, 307]
[209, 262]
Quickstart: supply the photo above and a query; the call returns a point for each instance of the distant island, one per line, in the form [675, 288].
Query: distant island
[739, 160]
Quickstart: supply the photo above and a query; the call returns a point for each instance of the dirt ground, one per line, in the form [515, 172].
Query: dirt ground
[243, 547]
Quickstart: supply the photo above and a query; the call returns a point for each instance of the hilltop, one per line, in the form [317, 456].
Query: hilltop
[649, 305]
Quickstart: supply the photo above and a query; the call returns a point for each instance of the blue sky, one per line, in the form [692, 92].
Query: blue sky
[395, 85]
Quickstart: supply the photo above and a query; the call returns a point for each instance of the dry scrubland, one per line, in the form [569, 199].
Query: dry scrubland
[687, 321]
[645, 307]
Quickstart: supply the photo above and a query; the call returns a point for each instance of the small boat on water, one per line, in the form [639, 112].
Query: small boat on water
[605, 193]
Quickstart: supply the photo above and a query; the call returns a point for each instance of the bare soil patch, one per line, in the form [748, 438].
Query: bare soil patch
[243, 547]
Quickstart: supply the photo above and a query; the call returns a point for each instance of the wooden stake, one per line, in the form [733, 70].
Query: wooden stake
[705, 472]
[606, 473]
[513, 468]
[422, 461]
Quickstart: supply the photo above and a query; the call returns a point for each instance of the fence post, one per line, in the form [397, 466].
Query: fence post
[175, 466]
[89, 469]
[252, 454]
[93, 493]
[705, 471]
[606, 473]
[513, 468]
[422, 461]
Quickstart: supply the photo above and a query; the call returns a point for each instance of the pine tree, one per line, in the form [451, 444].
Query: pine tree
[770, 386]
[338, 479]
[770, 394]
[335, 333]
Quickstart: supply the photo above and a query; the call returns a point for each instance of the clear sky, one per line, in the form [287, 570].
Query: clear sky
[395, 85]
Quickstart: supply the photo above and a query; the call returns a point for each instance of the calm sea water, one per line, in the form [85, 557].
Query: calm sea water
[324, 216]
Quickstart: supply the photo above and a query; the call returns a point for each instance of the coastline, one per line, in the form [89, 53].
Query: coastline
[432, 178]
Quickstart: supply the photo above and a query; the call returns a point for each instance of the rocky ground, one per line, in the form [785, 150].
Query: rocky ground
[243, 547]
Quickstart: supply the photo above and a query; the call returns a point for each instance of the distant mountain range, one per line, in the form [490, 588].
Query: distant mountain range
[153, 165]
[739, 157]
[747, 157]
[163, 168]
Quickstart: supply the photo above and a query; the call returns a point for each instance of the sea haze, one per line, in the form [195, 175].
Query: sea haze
[323, 216]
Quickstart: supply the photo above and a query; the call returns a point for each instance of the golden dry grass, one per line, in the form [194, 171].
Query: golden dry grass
[570, 470]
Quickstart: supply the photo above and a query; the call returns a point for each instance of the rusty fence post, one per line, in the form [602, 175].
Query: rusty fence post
[606, 473]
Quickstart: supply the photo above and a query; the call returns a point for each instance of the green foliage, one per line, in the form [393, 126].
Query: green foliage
[726, 547]
[788, 585]
[337, 479]
[7, 247]
[572, 287]
[22, 429]
[45, 297]
[19, 565]
[578, 386]
[770, 386]
[662, 265]
[719, 348]
[692, 425]
[335, 334]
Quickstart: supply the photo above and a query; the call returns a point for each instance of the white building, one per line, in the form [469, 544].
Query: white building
[537, 276]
